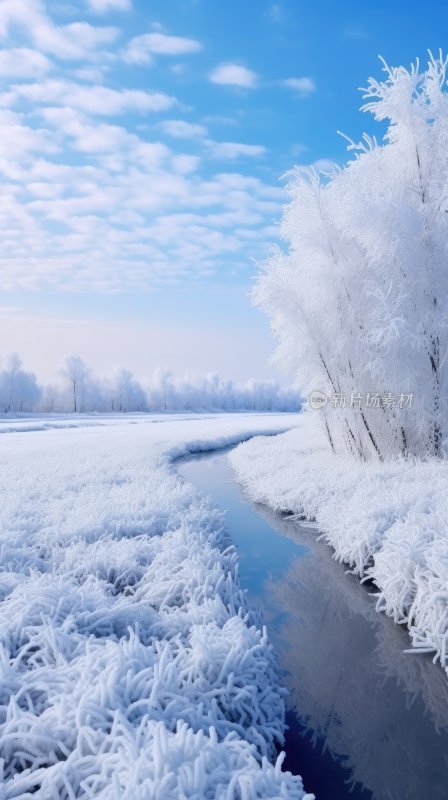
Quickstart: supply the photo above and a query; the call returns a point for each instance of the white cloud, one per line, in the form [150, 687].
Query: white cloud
[22, 62]
[18, 141]
[324, 165]
[141, 49]
[82, 36]
[90, 202]
[220, 119]
[298, 149]
[101, 138]
[304, 85]
[248, 183]
[87, 137]
[12, 12]
[142, 211]
[179, 129]
[93, 74]
[185, 164]
[78, 40]
[103, 6]
[234, 75]
[92, 99]
[45, 190]
[234, 150]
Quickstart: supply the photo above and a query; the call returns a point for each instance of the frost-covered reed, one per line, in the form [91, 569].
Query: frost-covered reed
[131, 665]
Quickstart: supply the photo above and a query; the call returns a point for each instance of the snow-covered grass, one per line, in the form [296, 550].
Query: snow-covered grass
[130, 663]
[387, 521]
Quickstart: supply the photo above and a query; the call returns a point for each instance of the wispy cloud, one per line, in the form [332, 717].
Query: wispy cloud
[142, 212]
[22, 62]
[234, 75]
[96, 198]
[76, 40]
[304, 85]
[324, 165]
[180, 129]
[234, 150]
[101, 100]
[103, 6]
[298, 149]
[19, 142]
[142, 49]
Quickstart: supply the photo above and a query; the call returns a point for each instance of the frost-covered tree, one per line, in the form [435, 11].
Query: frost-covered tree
[160, 390]
[76, 373]
[81, 390]
[19, 390]
[359, 302]
[125, 392]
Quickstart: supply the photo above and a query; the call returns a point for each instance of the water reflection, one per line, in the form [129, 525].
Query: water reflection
[358, 693]
[363, 711]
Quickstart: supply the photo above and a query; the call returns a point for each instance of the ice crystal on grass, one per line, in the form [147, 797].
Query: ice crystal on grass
[131, 665]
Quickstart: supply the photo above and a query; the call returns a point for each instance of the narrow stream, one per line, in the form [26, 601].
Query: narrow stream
[366, 721]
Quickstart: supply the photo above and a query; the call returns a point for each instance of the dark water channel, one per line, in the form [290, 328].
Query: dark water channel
[366, 720]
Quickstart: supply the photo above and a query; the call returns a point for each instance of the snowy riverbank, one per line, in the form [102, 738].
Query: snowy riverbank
[388, 522]
[131, 665]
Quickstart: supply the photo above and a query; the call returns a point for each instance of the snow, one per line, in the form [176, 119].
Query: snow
[387, 521]
[131, 663]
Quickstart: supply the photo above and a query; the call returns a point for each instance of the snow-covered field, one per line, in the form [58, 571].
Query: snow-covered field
[130, 663]
[388, 521]
[14, 423]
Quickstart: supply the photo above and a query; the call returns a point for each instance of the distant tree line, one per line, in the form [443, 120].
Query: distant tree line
[80, 390]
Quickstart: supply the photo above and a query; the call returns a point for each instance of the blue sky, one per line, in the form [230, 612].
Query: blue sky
[142, 146]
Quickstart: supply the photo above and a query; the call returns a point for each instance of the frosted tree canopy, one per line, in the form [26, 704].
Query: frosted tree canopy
[358, 301]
